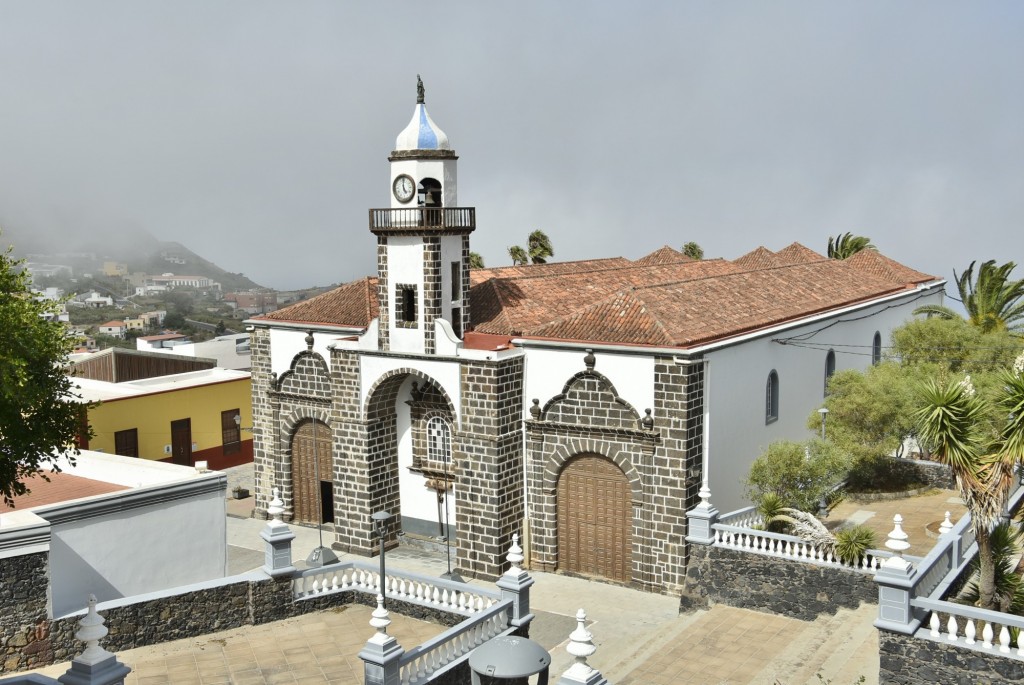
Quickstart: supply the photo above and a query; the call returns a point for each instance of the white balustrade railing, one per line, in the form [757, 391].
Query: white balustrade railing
[457, 598]
[973, 627]
[790, 547]
[747, 517]
[446, 650]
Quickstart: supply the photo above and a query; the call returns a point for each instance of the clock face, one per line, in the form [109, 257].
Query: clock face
[404, 188]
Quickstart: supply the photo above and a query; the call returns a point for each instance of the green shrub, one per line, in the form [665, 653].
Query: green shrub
[852, 543]
[799, 474]
[880, 473]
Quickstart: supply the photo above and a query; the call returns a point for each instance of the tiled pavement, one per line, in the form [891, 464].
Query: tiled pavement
[640, 637]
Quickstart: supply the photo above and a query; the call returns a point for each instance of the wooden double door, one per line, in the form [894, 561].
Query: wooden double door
[312, 474]
[595, 519]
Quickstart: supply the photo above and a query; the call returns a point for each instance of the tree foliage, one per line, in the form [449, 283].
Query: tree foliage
[476, 260]
[848, 245]
[798, 473]
[39, 417]
[693, 251]
[537, 251]
[992, 300]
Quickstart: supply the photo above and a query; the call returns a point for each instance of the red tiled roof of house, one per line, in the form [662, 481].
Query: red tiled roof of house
[876, 263]
[353, 304]
[760, 258]
[796, 253]
[163, 336]
[663, 255]
[113, 324]
[661, 303]
[61, 488]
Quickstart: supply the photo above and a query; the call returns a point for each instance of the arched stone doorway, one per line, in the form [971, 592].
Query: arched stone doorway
[595, 519]
[312, 473]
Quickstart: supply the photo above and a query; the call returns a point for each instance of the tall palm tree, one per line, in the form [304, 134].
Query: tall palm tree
[476, 260]
[693, 251]
[539, 247]
[518, 255]
[848, 245]
[951, 420]
[992, 300]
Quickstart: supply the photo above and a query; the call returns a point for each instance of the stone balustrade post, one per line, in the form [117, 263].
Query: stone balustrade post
[701, 518]
[895, 579]
[381, 652]
[581, 645]
[95, 666]
[515, 585]
[278, 536]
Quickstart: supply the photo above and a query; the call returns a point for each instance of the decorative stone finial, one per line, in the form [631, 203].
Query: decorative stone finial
[946, 525]
[647, 421]
[535, 410]
[515, 554]
[590, 360]
[273, 381]
[309, 340]
[90, 631]
[276, 508]
[581, 645]
[705, 496]
[897, 542]
[381, 620]
[420, 90]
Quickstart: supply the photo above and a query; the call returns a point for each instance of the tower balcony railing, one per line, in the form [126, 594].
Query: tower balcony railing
[463, 218]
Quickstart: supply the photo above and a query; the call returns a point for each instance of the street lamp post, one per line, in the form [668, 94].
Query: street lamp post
[824, 412]
[380, 522]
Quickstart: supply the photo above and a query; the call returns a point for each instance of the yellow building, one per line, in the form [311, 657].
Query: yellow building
[115, 269]
[181, 418]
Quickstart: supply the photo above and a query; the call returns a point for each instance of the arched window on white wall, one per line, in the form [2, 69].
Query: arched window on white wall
[771, 398]
[439, 441]
[830, 367]
[876, 348]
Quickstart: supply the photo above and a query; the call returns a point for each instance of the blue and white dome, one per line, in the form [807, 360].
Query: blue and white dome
[422, 133]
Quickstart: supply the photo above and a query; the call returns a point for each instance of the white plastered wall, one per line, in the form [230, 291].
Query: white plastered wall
[286, 343]
[444, 373]
[405, 266]
[442, 170]
[738, 376]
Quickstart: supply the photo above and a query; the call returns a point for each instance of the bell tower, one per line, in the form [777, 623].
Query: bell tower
[422, 241]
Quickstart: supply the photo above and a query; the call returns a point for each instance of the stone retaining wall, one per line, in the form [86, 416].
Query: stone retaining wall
[907, 660]
[753, 581]
[24, 628]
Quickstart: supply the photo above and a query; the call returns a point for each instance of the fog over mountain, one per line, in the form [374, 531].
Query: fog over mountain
[256, 133]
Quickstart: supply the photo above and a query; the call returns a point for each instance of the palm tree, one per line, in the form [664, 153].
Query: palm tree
[476, 260]
[518, 255]
[992, 300]
[539, 246]
[951, 420]
[848, 245]
[693, 251]
[538, 249]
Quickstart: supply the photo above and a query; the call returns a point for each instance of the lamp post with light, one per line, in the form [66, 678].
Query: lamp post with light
[824, 412]
[380, 524]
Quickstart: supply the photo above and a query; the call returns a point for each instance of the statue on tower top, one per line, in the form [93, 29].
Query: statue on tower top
[420, 91]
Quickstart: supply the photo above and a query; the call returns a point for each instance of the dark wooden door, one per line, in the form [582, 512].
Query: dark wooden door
[311, 479]
[595, 519]
[181, 442]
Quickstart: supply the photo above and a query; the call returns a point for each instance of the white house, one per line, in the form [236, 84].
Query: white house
[582, 404]
[114, 328]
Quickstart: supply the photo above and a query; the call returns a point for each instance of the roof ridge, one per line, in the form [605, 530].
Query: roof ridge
[629, 293]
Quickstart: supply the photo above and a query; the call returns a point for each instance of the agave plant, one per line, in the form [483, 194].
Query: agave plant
[853, 542]
[770, 507]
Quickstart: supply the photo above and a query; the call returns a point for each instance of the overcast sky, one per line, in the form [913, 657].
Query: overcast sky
[257, 133]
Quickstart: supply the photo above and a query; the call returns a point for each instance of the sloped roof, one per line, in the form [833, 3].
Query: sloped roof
[353, 304]
[658, 300]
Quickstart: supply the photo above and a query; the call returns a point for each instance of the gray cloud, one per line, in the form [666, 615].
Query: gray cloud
[257, 133]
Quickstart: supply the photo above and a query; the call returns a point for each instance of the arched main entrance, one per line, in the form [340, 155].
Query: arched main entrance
[595, 519]
[312, 479]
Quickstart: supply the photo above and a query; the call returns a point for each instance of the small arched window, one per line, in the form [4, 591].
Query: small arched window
[876, 348]
[439, 441]
[771, 398]
[830, 367]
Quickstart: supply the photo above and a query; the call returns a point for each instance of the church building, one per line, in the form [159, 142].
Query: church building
[582, 405]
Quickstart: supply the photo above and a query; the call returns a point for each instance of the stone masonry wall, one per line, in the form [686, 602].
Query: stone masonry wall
[264, 438]
[25, 640]
[907, 660]
[753, 581]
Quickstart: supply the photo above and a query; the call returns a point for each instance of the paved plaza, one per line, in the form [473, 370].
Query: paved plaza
[641, 638]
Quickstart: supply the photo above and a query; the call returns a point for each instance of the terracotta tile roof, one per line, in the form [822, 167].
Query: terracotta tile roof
[113, 324]
[797, 254]
[483, 341]
[551, 269]
[876, 263]
[353, 304]
[761, 258]
[61, 488]
[663, 255]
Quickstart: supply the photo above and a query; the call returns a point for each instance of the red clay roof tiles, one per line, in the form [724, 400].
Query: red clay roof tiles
[353, 304]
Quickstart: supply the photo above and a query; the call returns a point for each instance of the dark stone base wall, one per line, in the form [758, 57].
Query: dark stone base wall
[934, 474]
[25, 640]
[906, 660]
[752, 581]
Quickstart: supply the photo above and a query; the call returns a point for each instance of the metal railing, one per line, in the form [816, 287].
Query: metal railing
[423, 217]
